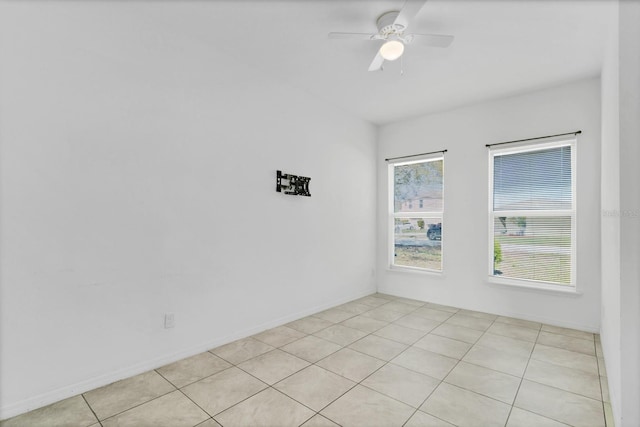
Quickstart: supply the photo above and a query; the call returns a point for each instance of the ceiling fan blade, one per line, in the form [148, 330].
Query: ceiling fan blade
[377, 62]
[408, 12]
[359, 36]
[433, 40]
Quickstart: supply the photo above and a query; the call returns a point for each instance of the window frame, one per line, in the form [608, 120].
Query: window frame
[392, 215]
[515, 148]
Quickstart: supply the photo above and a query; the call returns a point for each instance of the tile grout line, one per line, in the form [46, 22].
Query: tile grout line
[356, 383]
[604, 410]
[457, 363]
[91, 409]
[561, 389]
[570, 336]
[185, 395]
[388, 323]
[546, 415]
[460, 360]
[515, 396]
[442, 380]
[310, 364]
[246, 398]
[140, 404]
[522, 377]
[424, 304]
[179, 389]
[550, 386]
[271, 386]
[412, 345]
[359, 383]
[280, 348]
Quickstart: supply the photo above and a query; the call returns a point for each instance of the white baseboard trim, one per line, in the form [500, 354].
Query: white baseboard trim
[540, 319]
[44, 399]
[554, 322]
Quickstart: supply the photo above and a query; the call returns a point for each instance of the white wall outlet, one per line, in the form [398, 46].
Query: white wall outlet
[169, 320]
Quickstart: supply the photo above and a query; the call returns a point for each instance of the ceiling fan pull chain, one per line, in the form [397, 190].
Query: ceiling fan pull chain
[401, 67]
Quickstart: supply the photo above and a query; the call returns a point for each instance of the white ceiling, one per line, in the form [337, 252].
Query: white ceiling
[501, 48]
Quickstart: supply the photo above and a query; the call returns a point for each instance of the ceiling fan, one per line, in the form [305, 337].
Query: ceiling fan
[392, 27]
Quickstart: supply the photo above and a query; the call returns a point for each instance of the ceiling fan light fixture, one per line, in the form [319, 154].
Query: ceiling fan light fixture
[392, 50]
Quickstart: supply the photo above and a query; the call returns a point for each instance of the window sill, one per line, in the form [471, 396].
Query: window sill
[535, 287]
[418, 271]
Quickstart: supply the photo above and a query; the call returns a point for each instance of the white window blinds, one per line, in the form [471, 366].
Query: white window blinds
[535, 180]
[533, 213]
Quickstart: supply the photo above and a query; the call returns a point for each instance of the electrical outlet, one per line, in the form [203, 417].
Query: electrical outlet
[169, 320]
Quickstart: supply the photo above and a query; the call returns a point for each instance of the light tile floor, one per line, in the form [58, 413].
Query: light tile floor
[376, 361]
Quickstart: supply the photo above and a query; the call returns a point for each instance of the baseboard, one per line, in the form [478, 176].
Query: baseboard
[44, 399]
[539, 319]
[554, 322]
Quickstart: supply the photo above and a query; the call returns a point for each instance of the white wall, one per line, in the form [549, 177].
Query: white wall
[138, 178]
[630, 207]
[464, 132]
[610, 199]
[621, 195]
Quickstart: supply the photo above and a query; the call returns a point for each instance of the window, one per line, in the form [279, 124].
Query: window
[416, 233]
[532, 213]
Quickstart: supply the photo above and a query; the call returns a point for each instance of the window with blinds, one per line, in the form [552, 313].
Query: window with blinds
[532, 213]
[416, 205]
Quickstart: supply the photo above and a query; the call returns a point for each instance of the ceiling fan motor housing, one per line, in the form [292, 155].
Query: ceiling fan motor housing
[386, 26]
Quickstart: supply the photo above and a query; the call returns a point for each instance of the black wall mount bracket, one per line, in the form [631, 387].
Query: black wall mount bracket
[292, 184]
